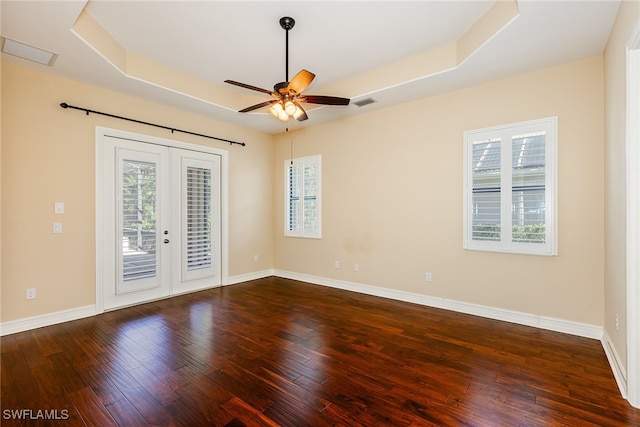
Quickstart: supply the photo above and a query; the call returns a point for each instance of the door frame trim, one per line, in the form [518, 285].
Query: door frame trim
[633, 218]
[100, 133]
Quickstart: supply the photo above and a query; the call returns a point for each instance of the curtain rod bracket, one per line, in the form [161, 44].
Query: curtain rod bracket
[87, 111]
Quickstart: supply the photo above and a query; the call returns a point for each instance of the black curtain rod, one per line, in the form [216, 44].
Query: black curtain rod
[87, 111]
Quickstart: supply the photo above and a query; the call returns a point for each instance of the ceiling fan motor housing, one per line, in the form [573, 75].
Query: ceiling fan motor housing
[281, 88]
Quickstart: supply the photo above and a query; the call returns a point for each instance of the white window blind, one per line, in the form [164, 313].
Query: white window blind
[302, 197]
[198, 218]
[199, 221]
[486, 190]
[510, 188]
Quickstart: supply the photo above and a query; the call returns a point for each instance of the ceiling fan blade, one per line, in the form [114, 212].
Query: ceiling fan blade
[246, 86]
[300, 81]
[302, 117]
[255, 107]
[326, 100]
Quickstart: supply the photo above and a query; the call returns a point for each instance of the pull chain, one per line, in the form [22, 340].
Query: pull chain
[291, 145]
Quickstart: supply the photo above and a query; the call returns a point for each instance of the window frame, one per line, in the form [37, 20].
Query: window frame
[302, 231]
[505, 134]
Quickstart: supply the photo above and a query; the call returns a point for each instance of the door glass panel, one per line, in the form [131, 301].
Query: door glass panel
[139, 217]
[198, 218]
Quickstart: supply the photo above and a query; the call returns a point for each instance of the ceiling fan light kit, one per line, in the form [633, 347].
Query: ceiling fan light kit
[287, 95]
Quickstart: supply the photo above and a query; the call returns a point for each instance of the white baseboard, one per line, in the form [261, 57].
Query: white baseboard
[618, 368]
[34, 322]
[232, 280]
[542, 322]
[558, 325]
[21, 325]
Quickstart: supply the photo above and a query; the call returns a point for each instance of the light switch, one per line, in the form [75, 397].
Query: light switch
[57, 228]
[59, 207]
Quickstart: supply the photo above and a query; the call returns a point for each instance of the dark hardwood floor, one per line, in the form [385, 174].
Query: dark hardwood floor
[279, 352]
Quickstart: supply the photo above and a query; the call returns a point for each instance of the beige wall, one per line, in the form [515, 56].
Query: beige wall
[392, 197]
[392, 188]
[48, 156]
[615, 175]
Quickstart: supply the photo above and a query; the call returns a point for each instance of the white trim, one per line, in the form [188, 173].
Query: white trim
[527, 319]
[99, 173]
[633, 216]
[240, 278]
[224, 217]
[28, 323]
[619, 372]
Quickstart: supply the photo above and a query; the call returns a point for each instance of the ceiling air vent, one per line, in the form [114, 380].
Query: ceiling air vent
[25, 51]
[365, 101]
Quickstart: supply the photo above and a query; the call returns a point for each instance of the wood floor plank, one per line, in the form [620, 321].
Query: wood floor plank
[87, 403]
[100, 383]
[65, 372]
[154, 385]
[20, 387]
[183, 414]
[125, 414]
[31, 350]
[280, 352]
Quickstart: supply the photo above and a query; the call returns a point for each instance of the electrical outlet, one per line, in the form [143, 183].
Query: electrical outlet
[428, 277]
[30, 293]
[356, 267]
[336, 264]
[256, 258]
[57, 228]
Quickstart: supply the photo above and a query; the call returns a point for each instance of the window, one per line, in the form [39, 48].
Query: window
[510, 188]
[302, 197]
[139, 219]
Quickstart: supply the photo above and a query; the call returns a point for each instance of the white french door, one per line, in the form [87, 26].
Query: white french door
[196, 185]
[159, 221]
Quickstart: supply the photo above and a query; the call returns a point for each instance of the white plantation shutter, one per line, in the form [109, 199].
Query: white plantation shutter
[292, 208]
[198, 218]
[310, 196]
[486, 190]
[302, 197]
[510, 188]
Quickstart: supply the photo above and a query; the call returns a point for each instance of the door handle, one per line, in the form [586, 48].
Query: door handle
[166, 240]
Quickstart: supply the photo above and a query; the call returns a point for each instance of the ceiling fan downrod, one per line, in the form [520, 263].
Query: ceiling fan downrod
[287, 23]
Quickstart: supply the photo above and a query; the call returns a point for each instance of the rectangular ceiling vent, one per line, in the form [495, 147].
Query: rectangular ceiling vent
[28, 52]
[365, 101]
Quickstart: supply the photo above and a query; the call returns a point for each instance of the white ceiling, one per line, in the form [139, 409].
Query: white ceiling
[339, 41]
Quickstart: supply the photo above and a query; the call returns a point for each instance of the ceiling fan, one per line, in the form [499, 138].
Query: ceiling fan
[287, 95]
